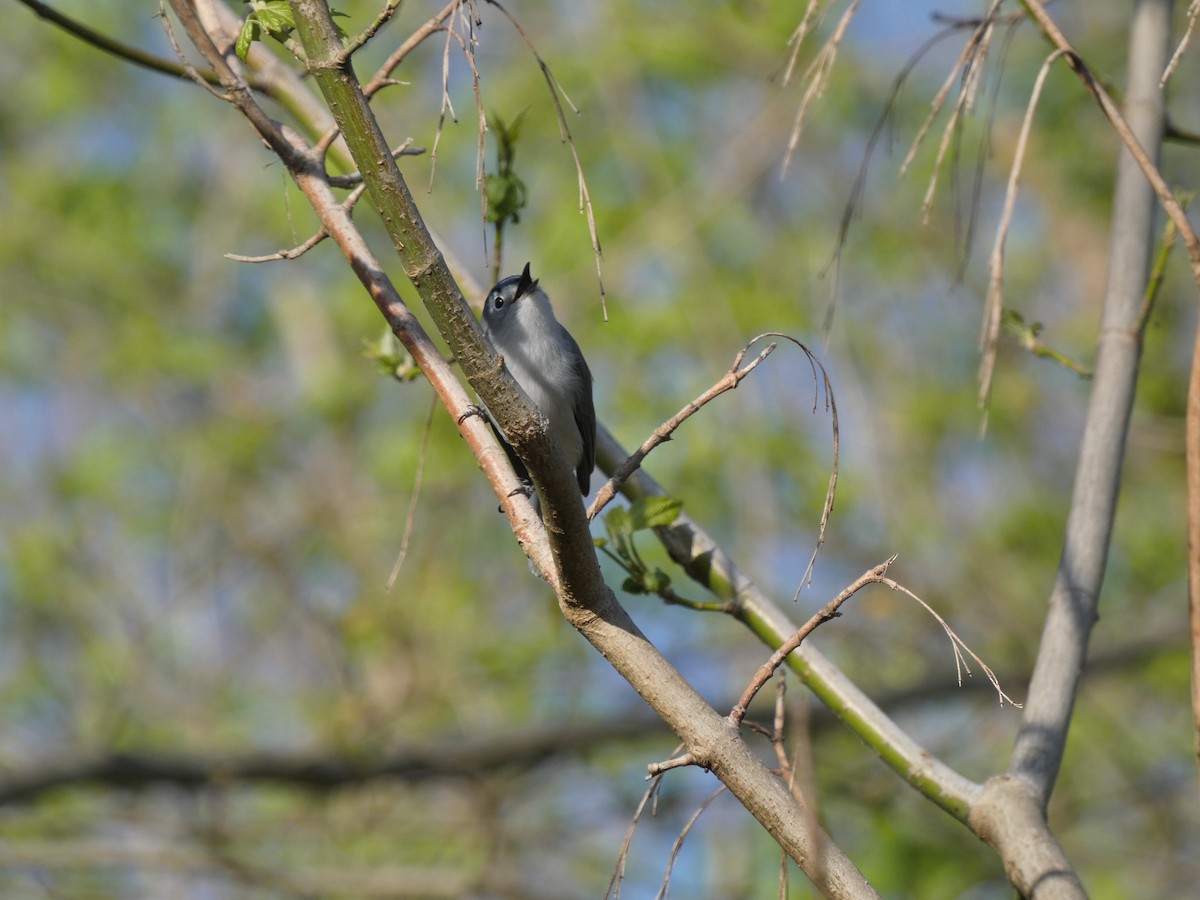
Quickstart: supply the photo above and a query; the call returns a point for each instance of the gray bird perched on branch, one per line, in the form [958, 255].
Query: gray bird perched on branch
[549, 367]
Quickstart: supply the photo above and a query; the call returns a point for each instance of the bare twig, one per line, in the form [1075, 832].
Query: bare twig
[816, 76]
[824, 614]
[382, 76]
[966, 59]
[358, 42]
[675, 762]
[186, 67]
[876, 575]
[972, 64]
[447, 104]
[558, 95]
[730, 380]
[1116, 118]
[854, 202]
[355, 178]
[989, 333]
[292, 253]
[665, 890]
[614, 883]
[418, 479]
[959, 645]
[121, 50]
[1193, 13]
[299, 250]
[796, 41]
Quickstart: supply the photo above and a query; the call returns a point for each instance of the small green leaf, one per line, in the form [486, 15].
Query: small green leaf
[654, 512]
[632, 585]
[247, 36]
[276, 17]
[619, 526]
[656, 581]
[600, 541]
[506, 198]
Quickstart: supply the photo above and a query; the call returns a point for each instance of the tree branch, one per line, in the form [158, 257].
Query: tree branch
[1075, 596]
[468, 757]
[116, 48]
[1011, 815]
[692, 548]
[583, 597]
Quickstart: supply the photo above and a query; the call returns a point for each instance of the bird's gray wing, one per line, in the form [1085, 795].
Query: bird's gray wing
[585, 420]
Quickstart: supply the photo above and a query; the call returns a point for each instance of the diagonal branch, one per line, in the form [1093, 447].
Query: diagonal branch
[584, 599]
[117, 48]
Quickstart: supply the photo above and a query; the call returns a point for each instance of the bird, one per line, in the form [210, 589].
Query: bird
[548, 366]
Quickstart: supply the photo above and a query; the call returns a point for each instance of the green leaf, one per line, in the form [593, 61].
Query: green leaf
[506, 198]
[656, 581]
[600, 541]
[632, 585]
[619, 525]
[248, 35]
[276, 17]
[654, 512]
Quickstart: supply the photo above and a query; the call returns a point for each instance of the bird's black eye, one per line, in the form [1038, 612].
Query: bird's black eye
[498, 302]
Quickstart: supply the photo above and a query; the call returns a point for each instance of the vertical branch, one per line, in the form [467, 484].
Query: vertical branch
[1192, 440]
[1073, 602]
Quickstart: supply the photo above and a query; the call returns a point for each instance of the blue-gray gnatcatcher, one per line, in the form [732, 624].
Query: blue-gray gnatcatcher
[547, 364]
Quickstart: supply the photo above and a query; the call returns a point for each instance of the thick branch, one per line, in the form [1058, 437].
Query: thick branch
[706, 562]
[1073, 602]
[584, 598]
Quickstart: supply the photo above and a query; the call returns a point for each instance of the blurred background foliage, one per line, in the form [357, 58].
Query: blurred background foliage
[204, 481]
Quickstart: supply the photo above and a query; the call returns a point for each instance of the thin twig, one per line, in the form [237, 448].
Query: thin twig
[447, 104]
[824, 614]
[665, 890]
[974, 63]
[1193, 13]
[188, 69]
[382, 76]
[371, 30]
[558, 95]
[965, 58]
[1116, 119]
[816, 77]
[614, 883]
[292, 253]
[355, 178]
[121, 50]
[989, 332]
[298, 251]
[730, 380]
[854, 202]
[1158, 272]
[418, 479]
[797, 39]
[675, 762]
[876, 575]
